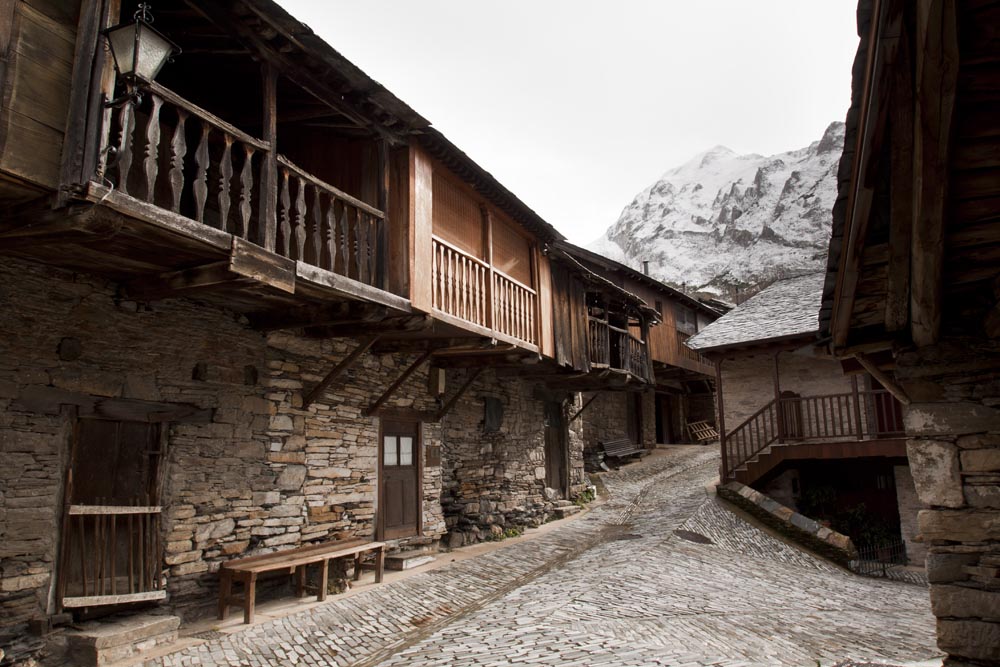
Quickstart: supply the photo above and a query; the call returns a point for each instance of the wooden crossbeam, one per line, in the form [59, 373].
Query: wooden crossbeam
[884, 379]
[585, 406]
[337, 371]
[204, 277]
[458, 394]
[390, 325]
[373, 408]
[346, 312]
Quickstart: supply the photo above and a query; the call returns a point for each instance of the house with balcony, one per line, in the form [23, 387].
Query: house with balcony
[822, 437]
[254, 301]
[643, 384]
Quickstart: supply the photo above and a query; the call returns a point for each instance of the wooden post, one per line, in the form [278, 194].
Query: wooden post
[777, 398]
[488, 255]
[724, 475]
[268, 213]
[381, 267]
[857, 407]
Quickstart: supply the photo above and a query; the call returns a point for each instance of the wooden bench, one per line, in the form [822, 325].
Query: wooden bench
[296, 561]
[621, 448]
[702, 432]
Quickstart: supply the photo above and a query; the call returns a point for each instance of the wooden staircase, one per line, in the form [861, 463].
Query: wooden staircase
[831, 426]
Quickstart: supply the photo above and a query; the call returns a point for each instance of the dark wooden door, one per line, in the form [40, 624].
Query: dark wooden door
[555, 448]
[633, 417]
[399, 485]
[111, 552]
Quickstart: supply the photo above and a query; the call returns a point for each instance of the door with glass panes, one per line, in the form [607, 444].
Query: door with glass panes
[399, 481]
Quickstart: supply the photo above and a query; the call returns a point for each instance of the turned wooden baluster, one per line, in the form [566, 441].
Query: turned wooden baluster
[345, 241]
[372, 250]
[126, 121]
[361, 251]
[246, 192]
[225, 182]
[315, 254]
[200, 185]
[329, 237]
[151, 165]
[299, 223]
[178, 149]
[284, 219]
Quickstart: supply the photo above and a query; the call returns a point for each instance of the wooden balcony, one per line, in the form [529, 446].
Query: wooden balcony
[690, 359]
[799, 420]
[203, 186]
[474, 295]
[617, 349]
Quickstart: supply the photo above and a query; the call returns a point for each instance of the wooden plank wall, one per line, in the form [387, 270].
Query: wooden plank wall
[663, 337]
[569, 320]
[422, 215]
[35, 96]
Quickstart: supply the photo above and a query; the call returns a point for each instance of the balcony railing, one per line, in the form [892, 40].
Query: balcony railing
[857, 415]
[611, 347]
[181, 158]
[686, 352]
[467, 288]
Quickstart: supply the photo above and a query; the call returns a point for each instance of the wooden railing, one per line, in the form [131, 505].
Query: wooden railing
[612, 347]
[600, 343]
[323, 226]
[184, 159]
[855, 415]
[111, 554]
[466, 287]
[686, 352]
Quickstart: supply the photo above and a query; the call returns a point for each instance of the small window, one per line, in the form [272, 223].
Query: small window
[659, 309]
[389, 450]
[405, 450]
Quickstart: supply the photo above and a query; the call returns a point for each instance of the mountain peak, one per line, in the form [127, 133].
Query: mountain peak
[723, 220]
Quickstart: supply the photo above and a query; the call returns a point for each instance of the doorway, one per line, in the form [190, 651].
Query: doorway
[111, 549]
[556, 449]
[633, 417]
[399, 480]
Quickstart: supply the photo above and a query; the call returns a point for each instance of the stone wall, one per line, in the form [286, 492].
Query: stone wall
[496, 480]
[606, 419]
[748, 382]
[909, 506]
[262, 474]
[954, 452]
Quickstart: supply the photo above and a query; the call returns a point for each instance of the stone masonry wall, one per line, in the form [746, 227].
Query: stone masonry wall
[496, 480]
[748, 382]
[909, 506]
[262, 474]
[953, 424]
[606, 419]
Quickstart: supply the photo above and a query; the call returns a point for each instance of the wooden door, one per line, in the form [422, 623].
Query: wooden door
[556, 451]
[633, 417]
[111, 546]
[399, 480]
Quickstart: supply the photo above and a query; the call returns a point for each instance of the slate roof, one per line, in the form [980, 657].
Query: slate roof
[787, 308]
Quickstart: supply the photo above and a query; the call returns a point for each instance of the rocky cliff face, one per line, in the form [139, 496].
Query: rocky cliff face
[723, 221]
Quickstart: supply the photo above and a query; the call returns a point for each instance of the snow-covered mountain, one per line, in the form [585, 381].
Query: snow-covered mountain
[723, 221]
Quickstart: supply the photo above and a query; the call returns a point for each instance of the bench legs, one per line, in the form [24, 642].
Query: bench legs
[226, 597]
[225, 592]
[324, 579]
[379, 564]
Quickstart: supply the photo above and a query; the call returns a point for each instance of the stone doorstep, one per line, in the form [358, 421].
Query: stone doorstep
[408, 560]
[102, 643]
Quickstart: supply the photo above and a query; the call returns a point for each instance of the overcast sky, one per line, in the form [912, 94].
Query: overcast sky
[577, 105]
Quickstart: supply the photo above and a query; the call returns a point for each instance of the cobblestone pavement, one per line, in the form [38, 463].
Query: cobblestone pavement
[618, 587]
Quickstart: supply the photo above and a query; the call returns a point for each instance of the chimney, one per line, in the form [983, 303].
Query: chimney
[645, 266]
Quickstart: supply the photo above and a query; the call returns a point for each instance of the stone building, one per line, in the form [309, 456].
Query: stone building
[912, 279]
[820, 438]
[211, 349]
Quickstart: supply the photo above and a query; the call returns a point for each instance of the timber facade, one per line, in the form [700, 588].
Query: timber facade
[912, 283]
[266, 308]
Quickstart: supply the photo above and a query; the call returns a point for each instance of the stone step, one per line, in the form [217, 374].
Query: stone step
[407, 560]
[563, 512]
[564, 503]
[103, 642]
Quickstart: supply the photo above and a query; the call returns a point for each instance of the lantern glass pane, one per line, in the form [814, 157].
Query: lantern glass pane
[122, 41]
[154, 51]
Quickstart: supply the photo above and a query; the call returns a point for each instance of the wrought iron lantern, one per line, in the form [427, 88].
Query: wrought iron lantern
[139, 51]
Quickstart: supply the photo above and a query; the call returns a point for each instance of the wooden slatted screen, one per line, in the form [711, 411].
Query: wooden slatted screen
[511, 252]
[457, 218]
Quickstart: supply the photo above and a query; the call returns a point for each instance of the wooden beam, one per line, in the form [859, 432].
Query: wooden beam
[584, 407]
[421, 344]
[47, 400]
[38, 224]
[337, 371]
[720, 406]
[937, 57]
[268, 222]
[884, 379]
[373, 408]
[175, 283]
[352, 312]
[475, 373]
[406, 324]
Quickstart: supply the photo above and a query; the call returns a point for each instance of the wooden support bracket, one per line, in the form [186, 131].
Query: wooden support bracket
[461, 390]
[884, 379]
[338, 370]
[373, 408]
[584, 407]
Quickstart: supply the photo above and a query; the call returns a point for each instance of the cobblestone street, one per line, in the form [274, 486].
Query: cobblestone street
[616, 587]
